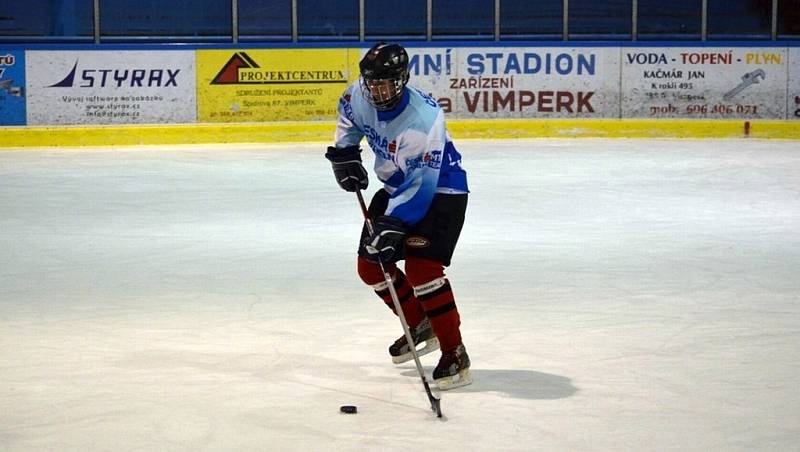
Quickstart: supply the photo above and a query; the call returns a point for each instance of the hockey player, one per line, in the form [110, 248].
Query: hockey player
[418, 213]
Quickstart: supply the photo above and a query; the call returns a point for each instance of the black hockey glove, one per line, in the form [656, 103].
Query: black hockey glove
[386, 241]
[347, 168]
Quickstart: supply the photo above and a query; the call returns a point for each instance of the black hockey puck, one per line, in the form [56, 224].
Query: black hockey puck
[349, 409]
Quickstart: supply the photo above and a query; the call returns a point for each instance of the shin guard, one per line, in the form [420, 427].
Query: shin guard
[372, 275]
[433, 291]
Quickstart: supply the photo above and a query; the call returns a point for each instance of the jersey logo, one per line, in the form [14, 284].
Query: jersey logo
[347, 107]
[378, 143]
[428, 99]
[432, 159]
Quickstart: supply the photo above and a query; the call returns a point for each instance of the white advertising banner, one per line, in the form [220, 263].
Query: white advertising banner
[793, 99]
[704, 82]
[519, 82]
[111, 87]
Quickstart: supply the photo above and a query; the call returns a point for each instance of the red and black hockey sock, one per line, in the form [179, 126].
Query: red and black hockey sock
[433, 291]
[405, 294]
[371, 274]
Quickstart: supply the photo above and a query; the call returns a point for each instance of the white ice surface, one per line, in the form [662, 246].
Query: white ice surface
[615, 295]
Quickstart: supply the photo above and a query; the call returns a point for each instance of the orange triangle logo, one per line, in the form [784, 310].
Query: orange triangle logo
[230, 72]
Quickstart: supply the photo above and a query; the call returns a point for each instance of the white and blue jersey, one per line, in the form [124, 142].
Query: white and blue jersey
[414, 156]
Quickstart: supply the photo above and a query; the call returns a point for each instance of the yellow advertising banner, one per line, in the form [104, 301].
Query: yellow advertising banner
[272, 84]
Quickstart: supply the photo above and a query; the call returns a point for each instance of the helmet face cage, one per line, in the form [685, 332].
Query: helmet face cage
[383, 94]
[384, 74]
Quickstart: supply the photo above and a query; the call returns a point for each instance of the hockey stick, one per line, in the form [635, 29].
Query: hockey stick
[436, 405]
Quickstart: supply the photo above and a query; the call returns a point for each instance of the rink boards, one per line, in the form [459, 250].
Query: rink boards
[160, 94]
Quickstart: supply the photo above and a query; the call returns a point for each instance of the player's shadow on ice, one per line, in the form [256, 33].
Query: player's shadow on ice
[519, 384]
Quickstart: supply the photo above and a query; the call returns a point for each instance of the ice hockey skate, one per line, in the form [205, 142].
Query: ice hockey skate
[422, 334]
[453, 369]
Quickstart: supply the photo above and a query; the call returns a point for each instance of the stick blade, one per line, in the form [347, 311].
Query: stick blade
[436, 406]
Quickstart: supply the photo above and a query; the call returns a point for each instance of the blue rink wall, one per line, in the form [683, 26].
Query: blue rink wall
[517, 89]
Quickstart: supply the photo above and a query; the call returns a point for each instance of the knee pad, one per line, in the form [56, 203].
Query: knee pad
[371, 273]
[420, 270]
[431, 288]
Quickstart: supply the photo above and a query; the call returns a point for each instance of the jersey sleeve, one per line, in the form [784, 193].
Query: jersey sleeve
[420, 159]
[347, 132]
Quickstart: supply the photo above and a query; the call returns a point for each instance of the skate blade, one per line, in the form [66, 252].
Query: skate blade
[431, 344]
[462, 378]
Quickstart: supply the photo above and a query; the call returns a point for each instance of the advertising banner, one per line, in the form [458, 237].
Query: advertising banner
[723, 83]
[272, 84]
[517, 82]
[12, 88]
[793, 99]
[110, 87]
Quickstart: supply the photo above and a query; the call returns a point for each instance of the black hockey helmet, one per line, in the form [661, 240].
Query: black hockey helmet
[384, 74]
